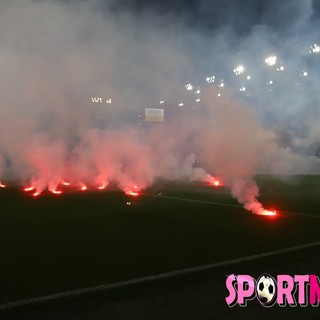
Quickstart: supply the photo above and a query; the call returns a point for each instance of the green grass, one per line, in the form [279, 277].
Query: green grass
[56, 243]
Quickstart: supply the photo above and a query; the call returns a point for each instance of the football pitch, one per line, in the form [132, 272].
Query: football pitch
[54, 244]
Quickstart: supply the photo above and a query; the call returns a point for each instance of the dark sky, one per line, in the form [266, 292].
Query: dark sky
[239, 15]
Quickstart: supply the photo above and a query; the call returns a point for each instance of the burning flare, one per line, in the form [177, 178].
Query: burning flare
[103, 185]
[216, 182]
[268, 212]
[83, 187]
[29, 188]
[128, 191]
[55, 191]
[2, 185]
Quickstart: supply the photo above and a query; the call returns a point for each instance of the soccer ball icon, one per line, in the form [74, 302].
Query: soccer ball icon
[266, 289]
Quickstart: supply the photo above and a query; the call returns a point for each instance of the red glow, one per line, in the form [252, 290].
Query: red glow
[2, 185]
[29, 188]
[36, 194]
[103, 186]
[131, 193]
[269, 212]
[83, 187]
[54, 191]
[132, 190]
[216, 182]
[65, 183]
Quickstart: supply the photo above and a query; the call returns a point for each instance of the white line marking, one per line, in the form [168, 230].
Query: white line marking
[194, 200]
[302, 214]
[160, 276]
[229, 205]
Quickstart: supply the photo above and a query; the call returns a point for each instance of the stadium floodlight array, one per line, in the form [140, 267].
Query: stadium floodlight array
[271, 61]
[238, 70]
[189, 86]
[315, 48]
[210, 79]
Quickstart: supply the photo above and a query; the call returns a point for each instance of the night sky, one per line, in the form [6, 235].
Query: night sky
[239, 15]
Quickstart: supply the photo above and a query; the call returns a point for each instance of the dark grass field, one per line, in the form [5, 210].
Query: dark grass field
[53, 243]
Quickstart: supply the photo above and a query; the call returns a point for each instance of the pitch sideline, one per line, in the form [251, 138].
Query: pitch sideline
[228, 205]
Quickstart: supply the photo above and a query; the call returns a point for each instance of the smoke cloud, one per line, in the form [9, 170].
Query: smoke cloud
[58, 55]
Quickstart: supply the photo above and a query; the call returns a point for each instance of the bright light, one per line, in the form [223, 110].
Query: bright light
[162, 101]
[314, 49]
[198, 91]
[129, 192]
[248, 77]
[2, 185]
[189, 86]
[180, 103]
[270, 61]
[221, 85]
[96, 100]
[29, 188]
[55, 191]
[281, 68]
[238, 70]
[304, 74]
[270, 82]
[103, 185]
[109, 101]
[269, 213]
[242, 89]
[83, 187]
[198, 100]
[219, 94]
[213, 181]
[65, 183]
[210, 79]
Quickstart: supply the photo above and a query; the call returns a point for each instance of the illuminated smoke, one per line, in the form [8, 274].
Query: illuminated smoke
[62, 54]
[246, 192]
[83, 187]
[2, 185]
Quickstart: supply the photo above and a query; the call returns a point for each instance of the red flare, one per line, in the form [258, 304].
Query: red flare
[65, 183]
[103, 186]
[55, 191]
[216, 182]
[131, 193]
[29, 188]
[2, 185]
[83, 187]
[269, 212]
[36, 194]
